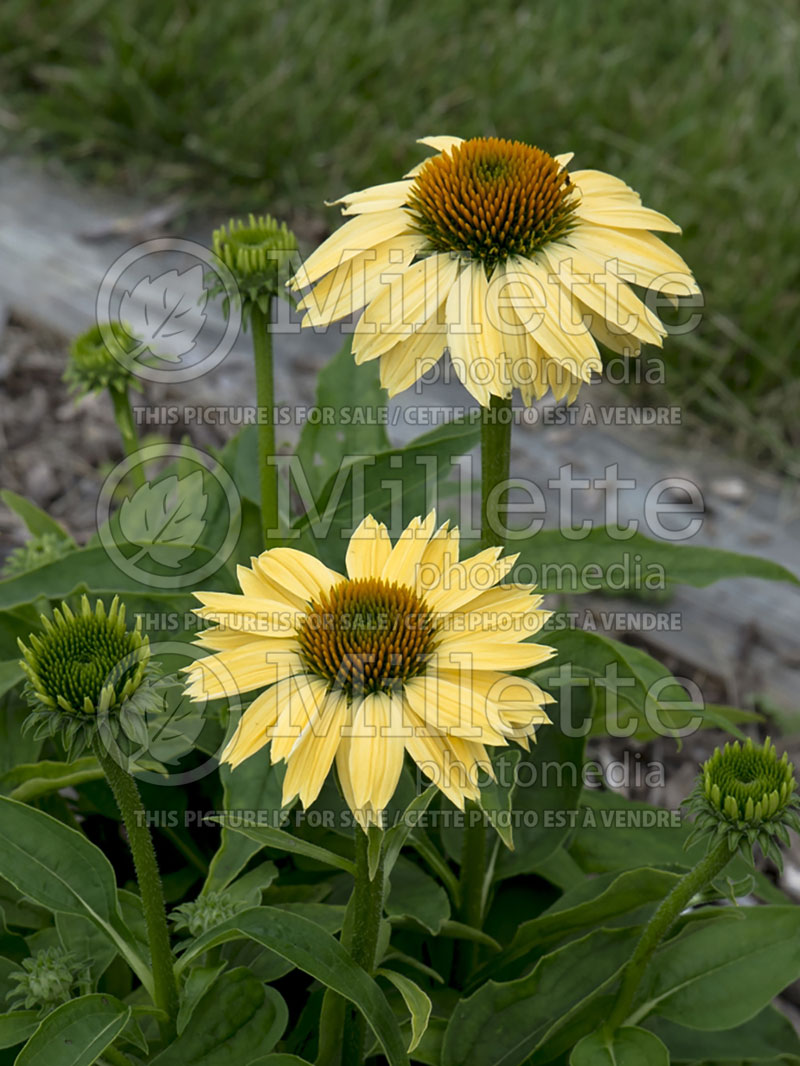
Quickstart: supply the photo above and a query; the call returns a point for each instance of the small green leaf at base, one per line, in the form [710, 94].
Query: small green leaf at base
[417, 1001]
[630, 1046]
[77, 1033]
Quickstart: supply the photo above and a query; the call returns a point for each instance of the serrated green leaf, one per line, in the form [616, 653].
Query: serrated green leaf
[254, 786]
[761, 1039]
[603, 899]
[414, 894]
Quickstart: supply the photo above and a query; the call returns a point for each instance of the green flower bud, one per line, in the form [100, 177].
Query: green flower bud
[260, 254]
[35, 552]
[747, 793]
[95, 365]
[203, 913]
[48, 979]
[88, 675]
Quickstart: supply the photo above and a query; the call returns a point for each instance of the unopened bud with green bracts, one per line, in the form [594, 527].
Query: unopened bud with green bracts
[261, 254]
[48, 979]
[35, 552]
[205, 912]
[746, 793]
[87, 675]
[102, 360]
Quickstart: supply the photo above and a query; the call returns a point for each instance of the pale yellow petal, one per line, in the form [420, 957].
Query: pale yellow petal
[251, 732]
[411, 359]
[352, 239]
[302, 699]
[375, 198]
[377, 745]
[410, 299]
[242, 669]
[602, 291]
[408, 550]
[464, 336]
[368, 551]
[309, 763]
[301, 573]
[465, 580]
[350, 286]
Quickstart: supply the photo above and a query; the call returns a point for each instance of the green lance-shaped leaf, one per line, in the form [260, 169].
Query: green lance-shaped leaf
[307, 946]
[17, 1025]
[237, 1019]
[718, 973]
[58, 868]
[604, 900]
[600, 560]
[38, 522]
[627, 1047]
[77, 1033]
[269, 837]
[503, 1023]
[198, 982]
[417, 1001]
[31, 780]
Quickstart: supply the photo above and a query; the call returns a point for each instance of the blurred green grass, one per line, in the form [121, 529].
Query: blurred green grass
[257, 104]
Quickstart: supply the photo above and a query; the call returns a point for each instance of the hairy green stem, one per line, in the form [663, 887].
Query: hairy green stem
[495, 463]
[367, 910]
[132, 810]
[265, 399]
[123, 415]
[659, 925]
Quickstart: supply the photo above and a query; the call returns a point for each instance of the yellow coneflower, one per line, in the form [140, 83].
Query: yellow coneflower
[495, 251]
[409, 652]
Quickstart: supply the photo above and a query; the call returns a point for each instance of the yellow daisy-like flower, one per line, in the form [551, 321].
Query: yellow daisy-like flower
[494, 250]
[409, 652]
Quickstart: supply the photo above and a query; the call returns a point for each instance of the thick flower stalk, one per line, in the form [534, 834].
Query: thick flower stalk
[90, 682]
[411, 651]
[259, 253]
[744, 795]
[495, 250]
